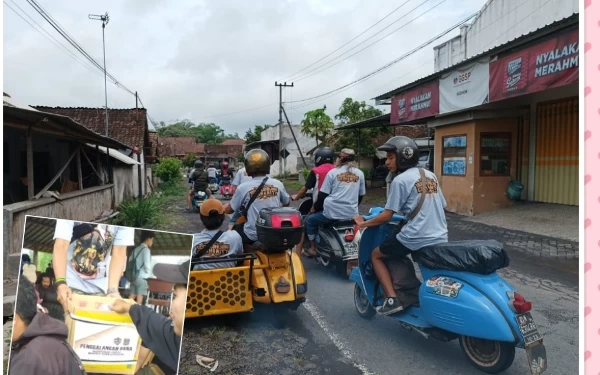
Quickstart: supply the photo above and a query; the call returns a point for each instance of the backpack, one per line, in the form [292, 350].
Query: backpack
[131, 271]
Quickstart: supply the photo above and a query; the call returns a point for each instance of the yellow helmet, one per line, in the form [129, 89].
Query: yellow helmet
[257, 163]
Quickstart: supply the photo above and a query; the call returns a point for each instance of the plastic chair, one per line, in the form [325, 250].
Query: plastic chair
[157, 286]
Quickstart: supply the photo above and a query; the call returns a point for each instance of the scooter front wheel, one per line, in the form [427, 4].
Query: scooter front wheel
[491, 357]
[363, 307]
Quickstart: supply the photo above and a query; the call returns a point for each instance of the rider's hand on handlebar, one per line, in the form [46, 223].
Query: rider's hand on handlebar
[294, 197]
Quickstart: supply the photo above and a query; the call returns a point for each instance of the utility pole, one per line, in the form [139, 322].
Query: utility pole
[104, 18]
[281, 158]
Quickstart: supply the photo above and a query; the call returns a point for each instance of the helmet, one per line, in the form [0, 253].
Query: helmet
[407, 151]
[198, 164]
[324, 155]
[225, 165]
[257, 163]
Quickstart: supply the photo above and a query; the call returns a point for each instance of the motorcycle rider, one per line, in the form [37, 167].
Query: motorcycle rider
[339, 196]
[212, 173]
[273, 194]
[200, 182]
[426, 229]
[324, 159]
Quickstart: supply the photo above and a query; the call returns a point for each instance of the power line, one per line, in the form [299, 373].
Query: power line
[391, 63]
[350, 41]
[307, 75]
[55, 41]
[38, 8]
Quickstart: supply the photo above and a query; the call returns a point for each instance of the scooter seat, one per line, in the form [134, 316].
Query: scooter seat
[339, 223]
[475, 256]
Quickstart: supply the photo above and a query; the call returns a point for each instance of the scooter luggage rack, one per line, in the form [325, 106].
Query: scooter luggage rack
[220, 291]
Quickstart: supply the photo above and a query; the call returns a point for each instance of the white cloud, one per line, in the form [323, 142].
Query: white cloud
[190, 59]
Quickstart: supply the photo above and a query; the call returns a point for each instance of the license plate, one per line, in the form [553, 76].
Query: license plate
[536, 356]
[351, 248]
[528, 329]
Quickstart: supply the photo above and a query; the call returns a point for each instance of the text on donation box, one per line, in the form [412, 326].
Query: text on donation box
[105, 342]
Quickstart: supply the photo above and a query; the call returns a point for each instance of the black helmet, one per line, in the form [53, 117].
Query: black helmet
[407, 151]
[324, 155]
[198, 164]
[257, 163]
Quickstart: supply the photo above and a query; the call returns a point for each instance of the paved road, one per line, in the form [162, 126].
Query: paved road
[328, 322]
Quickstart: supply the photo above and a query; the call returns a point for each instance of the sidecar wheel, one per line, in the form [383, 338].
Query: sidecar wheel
[363, 307]
[491, 357]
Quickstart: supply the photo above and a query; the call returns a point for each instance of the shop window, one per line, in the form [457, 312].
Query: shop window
[495, 154]
[454, 155]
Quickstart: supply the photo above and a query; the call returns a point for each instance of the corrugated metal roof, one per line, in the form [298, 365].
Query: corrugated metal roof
[116, 154]
[39, 233]
[512, 19]
[512, 44]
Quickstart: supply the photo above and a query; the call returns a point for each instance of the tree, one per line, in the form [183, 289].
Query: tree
[189, 160]
[351, 112]
[209, 133]
[253, 135]
[317, 124]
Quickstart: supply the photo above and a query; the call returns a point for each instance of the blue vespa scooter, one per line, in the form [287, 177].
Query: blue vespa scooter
[488, 317]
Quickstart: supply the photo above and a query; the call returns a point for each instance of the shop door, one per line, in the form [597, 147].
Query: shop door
[557, 152]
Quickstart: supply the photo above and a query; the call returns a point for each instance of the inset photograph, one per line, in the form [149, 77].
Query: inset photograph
[98, 297]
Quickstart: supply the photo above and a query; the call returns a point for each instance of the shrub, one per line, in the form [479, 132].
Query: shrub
[366, 172]
[189, 160]
[169, 169]
[305, 173]
[142, 213]
[171, 189]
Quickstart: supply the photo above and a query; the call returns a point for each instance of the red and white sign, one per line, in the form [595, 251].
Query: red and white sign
[551, 63]
[421, 102]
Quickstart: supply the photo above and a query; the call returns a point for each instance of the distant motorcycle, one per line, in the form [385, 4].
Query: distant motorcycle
[226, 188]
[213, 185]
[198, 198]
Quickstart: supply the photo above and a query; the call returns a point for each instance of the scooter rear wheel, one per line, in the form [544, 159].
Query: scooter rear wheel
[491, 357]
[363, 307]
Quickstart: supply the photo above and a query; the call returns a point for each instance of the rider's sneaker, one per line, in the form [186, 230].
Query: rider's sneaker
[391, 305]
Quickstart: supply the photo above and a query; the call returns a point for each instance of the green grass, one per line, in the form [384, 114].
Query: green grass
[143, 213]
[292, 186]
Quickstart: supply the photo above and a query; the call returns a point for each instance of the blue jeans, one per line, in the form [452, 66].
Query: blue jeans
[312, 224]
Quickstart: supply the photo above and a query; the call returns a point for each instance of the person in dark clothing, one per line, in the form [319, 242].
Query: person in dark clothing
[25, 259]
[39, 341]
[200, 182]
[49, 297]
[159, 334]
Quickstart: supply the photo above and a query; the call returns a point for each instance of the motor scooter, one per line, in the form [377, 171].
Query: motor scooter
[226, 189]
[337, 243]
[483, 311]
[198, 198]
[213, 185]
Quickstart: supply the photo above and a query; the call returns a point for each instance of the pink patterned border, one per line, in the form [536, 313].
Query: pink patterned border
[592, 187]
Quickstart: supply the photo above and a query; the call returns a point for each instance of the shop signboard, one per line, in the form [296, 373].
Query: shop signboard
[418, 103]
[551, 63]
[465, 87]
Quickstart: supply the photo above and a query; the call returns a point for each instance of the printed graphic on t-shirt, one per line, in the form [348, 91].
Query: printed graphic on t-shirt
[218, 249]
[348, 177]
[90, 250]
[268, 191]
[431, 186]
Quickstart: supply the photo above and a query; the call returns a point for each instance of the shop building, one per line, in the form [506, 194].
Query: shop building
[506, 120]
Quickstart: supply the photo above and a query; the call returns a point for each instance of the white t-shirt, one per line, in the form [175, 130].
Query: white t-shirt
[212, 172]
[229, 243]
[273, 194]
[88, 258]
[343, 185]
[429, 226]
[240, 177]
